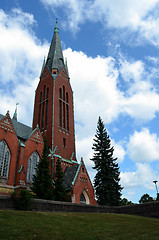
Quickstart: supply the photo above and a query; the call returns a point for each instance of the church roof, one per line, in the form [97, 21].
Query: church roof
[55, 58]
[69, 176]
[23, 131]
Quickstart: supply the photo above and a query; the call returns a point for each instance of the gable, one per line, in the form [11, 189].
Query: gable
[22, 131]
[36, 136]
[6, 123]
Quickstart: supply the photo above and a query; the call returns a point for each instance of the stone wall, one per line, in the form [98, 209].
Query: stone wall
[146, 209]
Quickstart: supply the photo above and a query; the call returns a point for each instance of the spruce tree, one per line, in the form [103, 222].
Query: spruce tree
[59, 188]
[42, 181]
[106, 181]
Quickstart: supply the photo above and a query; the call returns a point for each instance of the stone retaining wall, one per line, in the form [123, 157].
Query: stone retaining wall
[146, 209]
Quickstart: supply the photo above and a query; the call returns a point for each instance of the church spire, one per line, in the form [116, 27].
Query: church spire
[55, 60]
[66, 67]
[15, 113]
[43, 66]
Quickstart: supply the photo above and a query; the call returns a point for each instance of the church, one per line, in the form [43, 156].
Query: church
[21, 146]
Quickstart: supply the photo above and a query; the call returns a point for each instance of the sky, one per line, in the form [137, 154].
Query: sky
[112, 51]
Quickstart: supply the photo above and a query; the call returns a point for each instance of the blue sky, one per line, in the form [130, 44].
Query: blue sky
[112, 50]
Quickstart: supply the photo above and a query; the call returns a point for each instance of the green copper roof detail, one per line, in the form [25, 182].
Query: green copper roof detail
[15, 113]
[56, 29]
[73, 183]
[55, 58]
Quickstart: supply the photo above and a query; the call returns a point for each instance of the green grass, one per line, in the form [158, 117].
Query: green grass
[43, 225]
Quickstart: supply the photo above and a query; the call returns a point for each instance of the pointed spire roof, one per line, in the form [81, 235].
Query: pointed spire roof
[55, 58]
[43, 66]
[66, 68]
[15, 113]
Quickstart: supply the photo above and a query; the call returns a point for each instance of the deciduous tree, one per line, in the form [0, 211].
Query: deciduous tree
[145, 198]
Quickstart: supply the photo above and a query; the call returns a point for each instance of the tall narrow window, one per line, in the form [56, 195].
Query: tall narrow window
[63, 93]
[32, 164]
[60, 93]
[46, 114]
[47, 95]
[67, 112]
[63, 108]
[67, 117]
[63, 114]
[40, 109]
[42, 124]
[44, 92]
[60, 113]
[67, 97]
[4, 159]
[60, 107]
[64, 142]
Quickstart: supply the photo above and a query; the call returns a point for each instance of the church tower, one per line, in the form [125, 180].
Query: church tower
[53, 107]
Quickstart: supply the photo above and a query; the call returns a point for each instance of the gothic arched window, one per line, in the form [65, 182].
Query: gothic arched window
[63, 108]
[40, 109]
[4, 159]
[46, 114]
[82, 199]
[32, 163]
[67, 112]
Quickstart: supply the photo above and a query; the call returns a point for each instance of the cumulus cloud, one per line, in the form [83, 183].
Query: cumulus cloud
[94, 82]
[143, 146]
[132, 70]
[133, 16]
[141, 180]
[21, 59]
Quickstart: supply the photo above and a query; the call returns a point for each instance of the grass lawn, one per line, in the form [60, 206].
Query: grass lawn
[43, 225]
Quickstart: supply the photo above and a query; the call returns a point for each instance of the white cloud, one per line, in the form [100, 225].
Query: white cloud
[142, 177]
[132, 70]
[119, 151]
[94, 84]
[142, 106]
[133, 16]
[143, 146]
[94, 81]
[20, 63]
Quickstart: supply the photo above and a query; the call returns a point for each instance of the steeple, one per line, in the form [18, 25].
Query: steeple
[43, 66]
[15, 113]
[55, 60]
[66, 67]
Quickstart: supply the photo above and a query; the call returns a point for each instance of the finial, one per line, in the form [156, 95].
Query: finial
[56, 27]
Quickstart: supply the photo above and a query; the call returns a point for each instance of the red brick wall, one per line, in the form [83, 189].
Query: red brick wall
[31, 146]
[83, 183]
[59, 133]
[46, 80]
[8, 134]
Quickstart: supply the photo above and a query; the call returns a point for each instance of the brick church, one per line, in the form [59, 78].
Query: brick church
[21, 146]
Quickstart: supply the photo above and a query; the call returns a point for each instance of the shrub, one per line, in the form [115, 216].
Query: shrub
[22, 199]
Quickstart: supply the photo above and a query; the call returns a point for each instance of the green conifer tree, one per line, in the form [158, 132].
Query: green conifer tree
[59, 188]
[42, 184]
[106, 181]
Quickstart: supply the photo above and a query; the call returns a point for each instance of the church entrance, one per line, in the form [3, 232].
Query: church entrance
[84, 199]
